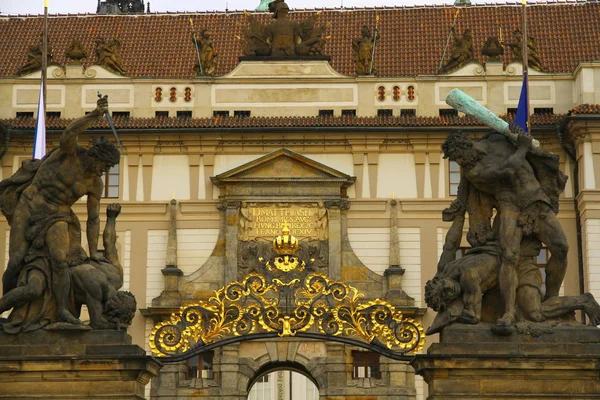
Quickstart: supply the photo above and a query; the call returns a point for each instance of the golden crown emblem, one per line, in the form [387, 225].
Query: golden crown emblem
[285, 244]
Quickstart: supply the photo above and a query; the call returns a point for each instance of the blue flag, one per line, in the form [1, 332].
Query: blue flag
[522, 117]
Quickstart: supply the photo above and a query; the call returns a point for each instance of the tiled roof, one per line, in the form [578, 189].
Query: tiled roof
[586, 109]
[274, 122]
[411, 42]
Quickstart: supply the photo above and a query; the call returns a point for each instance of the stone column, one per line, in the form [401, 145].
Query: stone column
[232, 210]
[334, 210]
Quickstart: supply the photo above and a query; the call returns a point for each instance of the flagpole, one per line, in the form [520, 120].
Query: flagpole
[45, 54]
[525, 42]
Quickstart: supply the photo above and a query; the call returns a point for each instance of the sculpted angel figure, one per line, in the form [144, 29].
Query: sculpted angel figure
[207, 53]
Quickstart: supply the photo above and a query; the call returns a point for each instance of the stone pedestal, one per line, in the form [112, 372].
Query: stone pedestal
[73, 365]
[472, 363]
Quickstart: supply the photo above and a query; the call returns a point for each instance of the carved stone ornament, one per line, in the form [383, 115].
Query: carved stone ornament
[492, 48]
[76, 52]
[283, 38]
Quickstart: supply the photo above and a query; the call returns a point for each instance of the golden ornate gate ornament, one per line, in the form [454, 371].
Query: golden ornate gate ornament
[292, 302]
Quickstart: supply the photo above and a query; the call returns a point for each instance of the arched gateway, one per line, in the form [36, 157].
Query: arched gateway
[293, 295]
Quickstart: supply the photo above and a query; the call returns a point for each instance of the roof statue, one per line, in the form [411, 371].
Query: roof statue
[49, 276]
[121, 7]
[363, 52]
[462, 51]
[264, 5]
[34, 58]
[206, 53]
[108, 55]
[76, 52]
[508, 172]
[283, 37]
[492, 48]
[533, 57]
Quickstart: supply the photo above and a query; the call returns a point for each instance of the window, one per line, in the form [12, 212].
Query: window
[24, 114]
[410, 93]
[396, 93]
[511, 111]
[365, 364]
[184, 114]
[381, 93]
[454, 177]
[461, 252]
[543, 110]
[161, 114]
[110, 180]
[542, 260]
[201, 367]
[325, 113]
[350, 113]
[123, 114]
[52, 114]
[448, 112]
[220, 113]
[384, 112]
[408, 112]
[241, 114]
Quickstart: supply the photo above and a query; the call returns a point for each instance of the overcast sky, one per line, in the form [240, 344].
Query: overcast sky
[89, 6]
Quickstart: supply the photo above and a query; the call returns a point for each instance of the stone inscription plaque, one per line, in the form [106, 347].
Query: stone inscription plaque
[266, 220]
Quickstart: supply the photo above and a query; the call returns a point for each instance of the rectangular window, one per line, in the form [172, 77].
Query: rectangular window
[161, 114]
[384, 112]
[52, 114]
[241, 114]
[350, 113]
[511, 111]
[124, 114]
[365, 364]
[408, 112]
[184, 114]
[448, 112]
[220, 113]
[454, 177]
[325, 113]
[24, 114]
[542, 260]
[543, 110]
[201, 367]
[110, 180]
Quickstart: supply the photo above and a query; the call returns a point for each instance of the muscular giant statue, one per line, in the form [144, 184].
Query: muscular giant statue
[37, 203]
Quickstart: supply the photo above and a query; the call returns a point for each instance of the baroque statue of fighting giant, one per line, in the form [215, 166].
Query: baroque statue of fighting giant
[505, 172]
[49, 276]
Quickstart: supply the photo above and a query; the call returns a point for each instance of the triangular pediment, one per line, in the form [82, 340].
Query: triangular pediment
[283, 165]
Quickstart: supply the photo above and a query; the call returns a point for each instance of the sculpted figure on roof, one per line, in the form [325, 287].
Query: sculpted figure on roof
[363, 52]
[462, 51]
[34, 58]
[108, 55]
[283, 37]
[207, 54]
[533, 58]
